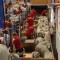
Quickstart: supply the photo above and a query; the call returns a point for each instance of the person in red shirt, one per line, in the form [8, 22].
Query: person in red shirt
[44, 12]
[29, 32]
[17, 11]
[17, 43]
[35, 12]
[6, 23]
[30, 21]
[31, 14]
[6, 7]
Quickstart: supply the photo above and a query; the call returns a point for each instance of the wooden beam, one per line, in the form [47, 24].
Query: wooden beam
[57, 4]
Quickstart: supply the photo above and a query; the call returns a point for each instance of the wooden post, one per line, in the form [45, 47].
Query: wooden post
[56, 17]
[10, 33]
[19, 25]
[11, 46]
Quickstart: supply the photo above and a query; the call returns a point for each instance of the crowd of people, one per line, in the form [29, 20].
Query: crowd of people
[5, 39]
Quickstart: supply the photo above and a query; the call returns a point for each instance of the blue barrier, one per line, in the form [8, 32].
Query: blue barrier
[1, 14]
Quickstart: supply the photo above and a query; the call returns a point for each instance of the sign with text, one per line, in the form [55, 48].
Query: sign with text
[1, 14]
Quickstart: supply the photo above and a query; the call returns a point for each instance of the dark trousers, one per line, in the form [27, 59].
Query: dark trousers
[20, 51]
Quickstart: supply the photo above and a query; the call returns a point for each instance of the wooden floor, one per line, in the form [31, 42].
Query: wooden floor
[28, 56]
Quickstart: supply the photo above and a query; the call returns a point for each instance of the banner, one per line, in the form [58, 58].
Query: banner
[1, 14]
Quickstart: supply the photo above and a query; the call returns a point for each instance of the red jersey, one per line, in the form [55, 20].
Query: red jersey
[32, 14]
[29, 31]
[30, 21]
[43, 12]
[35, 12]
[17, 12]
[17, 43]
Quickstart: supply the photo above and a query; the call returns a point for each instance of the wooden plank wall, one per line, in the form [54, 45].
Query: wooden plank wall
[39, 1]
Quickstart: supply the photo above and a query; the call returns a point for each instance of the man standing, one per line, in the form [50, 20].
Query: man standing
[3, 52]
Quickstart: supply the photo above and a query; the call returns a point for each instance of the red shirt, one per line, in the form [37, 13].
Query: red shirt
[32, 14]
[43, 12]
[29, 31]
[17, 12]
[35, 12]
[17, 43]
[6, 23]
[6, 6]
[30, 21]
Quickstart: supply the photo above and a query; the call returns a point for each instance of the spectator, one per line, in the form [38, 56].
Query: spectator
[17, 44]
[32, 14]
[29, 32]
[44, 12]
[6, 38]
[3, 52]
[30, 21]
[35, 12]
